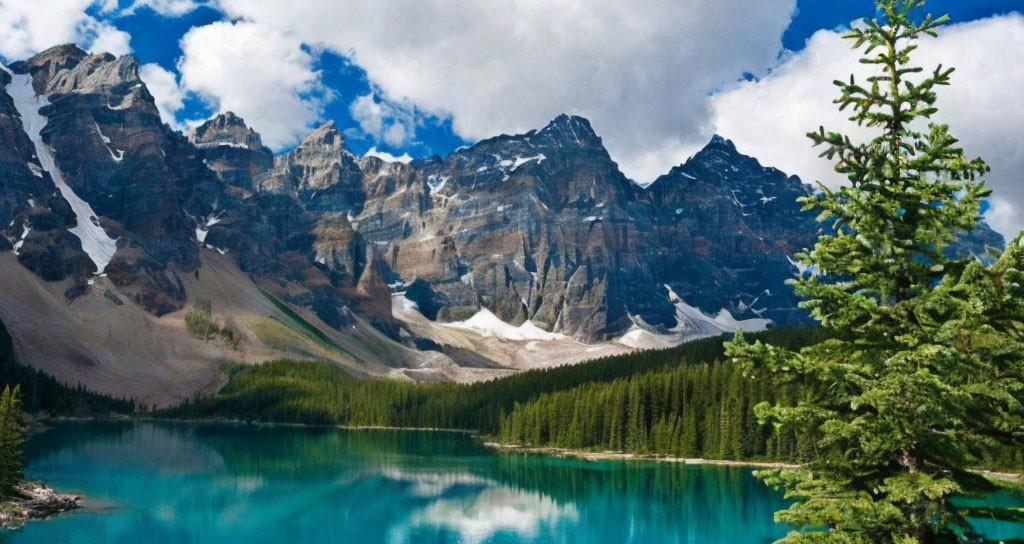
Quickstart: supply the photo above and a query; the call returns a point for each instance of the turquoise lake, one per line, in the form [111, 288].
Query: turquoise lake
[214, 483]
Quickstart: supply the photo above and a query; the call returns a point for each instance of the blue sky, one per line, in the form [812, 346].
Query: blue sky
[814, 15]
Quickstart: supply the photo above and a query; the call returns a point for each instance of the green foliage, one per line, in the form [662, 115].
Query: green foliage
[42, 393]
[12, 439]
[308, 392]
[924, 373]
[308, 329]
[199, 323]
[700, 410]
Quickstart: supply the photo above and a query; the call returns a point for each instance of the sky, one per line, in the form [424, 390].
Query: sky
[657, 78]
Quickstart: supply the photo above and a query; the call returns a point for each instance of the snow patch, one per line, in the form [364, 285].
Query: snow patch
[21, 241]
[95, 242]
[211, 145]
[402, 303]
[523, 160]
[436, 183]
[119, 154]
[203, 229]
[800, 267]
[691, 324]
[487, 324]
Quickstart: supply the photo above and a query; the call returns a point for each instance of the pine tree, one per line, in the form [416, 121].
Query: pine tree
[12, 438]
[924, 370]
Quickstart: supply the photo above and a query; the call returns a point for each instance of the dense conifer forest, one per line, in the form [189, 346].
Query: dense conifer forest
[684, 402]
[681, 401]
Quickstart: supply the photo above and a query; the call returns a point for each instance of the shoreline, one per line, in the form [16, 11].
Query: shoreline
[619, 456]
[35, 501]
[224, 421]
[1009, 477]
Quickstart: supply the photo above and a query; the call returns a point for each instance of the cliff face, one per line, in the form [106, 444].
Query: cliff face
[539, 226]
[134, 185]
[232, 150]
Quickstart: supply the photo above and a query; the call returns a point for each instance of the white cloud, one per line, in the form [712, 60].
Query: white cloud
[104, 38]
[404, 158]
[163, 85]
[30, 26]
[384, 121]
[641, 71]
[167, 8]
[258, 72]
[769, 118]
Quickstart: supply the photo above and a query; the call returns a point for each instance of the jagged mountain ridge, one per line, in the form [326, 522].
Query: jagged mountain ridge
[541, 226]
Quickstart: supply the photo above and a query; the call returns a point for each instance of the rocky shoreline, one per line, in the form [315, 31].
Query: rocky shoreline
[35, 500]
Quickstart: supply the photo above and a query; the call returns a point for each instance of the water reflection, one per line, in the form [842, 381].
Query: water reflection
[236, 483]
[475, 508]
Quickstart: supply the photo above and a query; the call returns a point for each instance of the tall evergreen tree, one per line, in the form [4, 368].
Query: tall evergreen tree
[12, 437]
[926, 368]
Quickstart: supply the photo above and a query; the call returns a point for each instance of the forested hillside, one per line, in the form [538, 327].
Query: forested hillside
[42, 393]
[518, 408]
[683, 402]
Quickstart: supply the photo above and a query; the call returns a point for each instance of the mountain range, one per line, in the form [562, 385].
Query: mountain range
[515, 252]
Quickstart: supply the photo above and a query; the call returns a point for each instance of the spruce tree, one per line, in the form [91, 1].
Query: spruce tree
[12, 438]
[924, 371]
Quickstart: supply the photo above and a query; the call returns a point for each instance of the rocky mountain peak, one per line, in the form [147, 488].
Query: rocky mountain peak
[67, 69]
[567, 131]
[321, 171]
[721, 142]
[226, 129]
[326, 137]
[720, 163]
[47, 64]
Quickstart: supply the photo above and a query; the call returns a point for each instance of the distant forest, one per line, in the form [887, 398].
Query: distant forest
[683, 402]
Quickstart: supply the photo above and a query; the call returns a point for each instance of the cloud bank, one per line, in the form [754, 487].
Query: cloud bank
[30, 26]
[641, 71]
[769, 118]
[263, 75]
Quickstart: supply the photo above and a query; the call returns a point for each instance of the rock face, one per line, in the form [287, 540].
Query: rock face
[543, 226]
[321, 173]
[233, 150]
[737, 224]
[34, 218]
[142, 183]
[540, 226]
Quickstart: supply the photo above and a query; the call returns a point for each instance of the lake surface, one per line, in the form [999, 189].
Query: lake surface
[212, 483]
